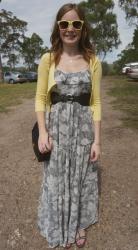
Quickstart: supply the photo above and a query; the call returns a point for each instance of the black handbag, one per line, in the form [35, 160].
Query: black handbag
[40, 156]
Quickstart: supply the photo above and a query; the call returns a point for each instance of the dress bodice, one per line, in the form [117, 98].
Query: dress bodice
[72, 83]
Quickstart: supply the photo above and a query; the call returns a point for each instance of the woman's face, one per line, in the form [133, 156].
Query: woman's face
[70, 36]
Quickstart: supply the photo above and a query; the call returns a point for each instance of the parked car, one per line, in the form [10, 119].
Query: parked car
[127, 66]
[133, 72]
[12, 77]
[31, 76]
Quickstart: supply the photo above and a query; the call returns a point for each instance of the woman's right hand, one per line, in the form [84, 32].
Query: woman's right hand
[45, 142]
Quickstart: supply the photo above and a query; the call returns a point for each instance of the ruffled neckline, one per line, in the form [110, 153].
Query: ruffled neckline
[77, 72]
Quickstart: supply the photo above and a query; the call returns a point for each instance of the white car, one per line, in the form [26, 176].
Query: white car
[133, 72]
[127, 66]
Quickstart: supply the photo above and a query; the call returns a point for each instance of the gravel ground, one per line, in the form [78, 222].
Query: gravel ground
[21, 177]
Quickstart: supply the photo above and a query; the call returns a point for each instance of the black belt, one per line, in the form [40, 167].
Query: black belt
[83, 99]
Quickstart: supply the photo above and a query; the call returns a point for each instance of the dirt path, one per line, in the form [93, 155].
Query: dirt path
[21, 176]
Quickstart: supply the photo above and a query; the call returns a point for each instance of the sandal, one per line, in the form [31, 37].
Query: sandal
[68, 246]
[80, 245]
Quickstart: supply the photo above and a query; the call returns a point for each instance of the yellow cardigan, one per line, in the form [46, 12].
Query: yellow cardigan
[46, 81]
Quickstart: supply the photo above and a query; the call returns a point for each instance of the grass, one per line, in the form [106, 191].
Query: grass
[125, 92]
[13, 94]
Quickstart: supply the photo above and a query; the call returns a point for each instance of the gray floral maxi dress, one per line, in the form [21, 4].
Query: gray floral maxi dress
[69, 190]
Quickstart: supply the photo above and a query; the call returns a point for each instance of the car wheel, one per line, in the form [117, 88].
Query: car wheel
[11, 81]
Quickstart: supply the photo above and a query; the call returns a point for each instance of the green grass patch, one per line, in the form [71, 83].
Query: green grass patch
[125, 92]
[13, 94]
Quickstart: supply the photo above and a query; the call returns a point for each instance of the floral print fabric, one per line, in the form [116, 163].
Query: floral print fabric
[69, 191]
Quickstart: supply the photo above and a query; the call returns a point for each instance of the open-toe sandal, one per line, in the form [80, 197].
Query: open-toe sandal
[80, 245]
[68, 246]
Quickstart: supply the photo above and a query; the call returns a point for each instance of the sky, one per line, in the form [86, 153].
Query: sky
[40, 17]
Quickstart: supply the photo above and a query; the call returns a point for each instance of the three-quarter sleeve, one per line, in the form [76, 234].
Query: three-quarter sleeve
[96, 95]
[42, 83]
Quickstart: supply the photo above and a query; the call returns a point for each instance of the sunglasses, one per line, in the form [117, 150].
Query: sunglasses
[76, 24]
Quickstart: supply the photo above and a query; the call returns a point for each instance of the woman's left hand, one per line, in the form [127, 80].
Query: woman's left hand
[95, 152]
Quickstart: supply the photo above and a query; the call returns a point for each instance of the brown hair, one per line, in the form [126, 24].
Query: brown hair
[85, 46]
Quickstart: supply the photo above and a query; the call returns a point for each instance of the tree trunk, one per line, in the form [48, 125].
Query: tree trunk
[1, 71]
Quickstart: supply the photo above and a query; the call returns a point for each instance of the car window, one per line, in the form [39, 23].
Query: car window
[134, 66]
[7, 74]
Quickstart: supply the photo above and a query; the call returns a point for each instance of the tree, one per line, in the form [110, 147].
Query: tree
[31, 50]
[12, 61]
[103, 25]
[135, 40]
[105, 68]
[131, 9]
[130, 54]
[12, 32]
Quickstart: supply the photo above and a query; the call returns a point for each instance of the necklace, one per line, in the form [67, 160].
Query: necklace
[70, 60]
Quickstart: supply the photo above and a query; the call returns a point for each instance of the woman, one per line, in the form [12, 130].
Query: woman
[68, 110]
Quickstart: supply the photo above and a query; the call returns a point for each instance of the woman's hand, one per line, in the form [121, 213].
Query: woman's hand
[95, 152]
[45, 142]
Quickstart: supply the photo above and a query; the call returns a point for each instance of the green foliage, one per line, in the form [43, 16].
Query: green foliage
[31, 50]
[135, 39]
[14, 44]
[131, 9]
[129, 54]
[107, 69]
[103, 24]
[12, 32]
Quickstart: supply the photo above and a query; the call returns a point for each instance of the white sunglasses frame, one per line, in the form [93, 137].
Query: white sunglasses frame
[70, 24]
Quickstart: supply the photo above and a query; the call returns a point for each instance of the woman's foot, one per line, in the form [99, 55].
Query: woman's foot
[68, 246]
[81, 238]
